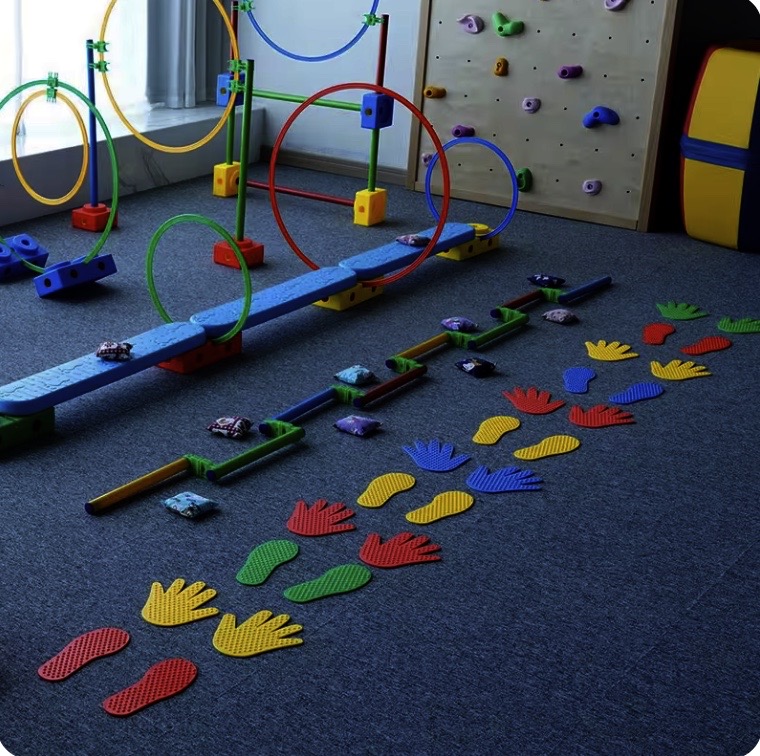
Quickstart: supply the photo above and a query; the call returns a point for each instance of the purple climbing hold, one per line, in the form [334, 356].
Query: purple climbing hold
[592, 186]
[569, 72]
[426, 158]
[531, 104]
[471, 24]
[615, 5]
[460, 130]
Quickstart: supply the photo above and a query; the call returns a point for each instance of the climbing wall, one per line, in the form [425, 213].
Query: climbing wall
[596, 69]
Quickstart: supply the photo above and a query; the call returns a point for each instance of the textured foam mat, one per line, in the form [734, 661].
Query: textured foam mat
[533, 401]
[707, 344]
[435, 456]
[260, 633]
[340, 579]
[402, 549]
[612, 351]
[638, 392]
[577, 379]
[600, 416]
[320, 519]
[677, 370]
[82, 650]
[162, 680]
[264, 560]
[179, 604]
[494, 428]
[445, 504]
[549, 447]
[655, 334]
[502, 480]
[382, 488]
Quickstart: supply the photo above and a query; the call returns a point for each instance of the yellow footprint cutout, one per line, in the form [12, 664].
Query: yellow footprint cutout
[445, 504]
[382, 488]
[492, 429]
[549, 447]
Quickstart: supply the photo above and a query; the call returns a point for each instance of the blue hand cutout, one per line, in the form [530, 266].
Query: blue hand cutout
[434, 457]
[505, 479]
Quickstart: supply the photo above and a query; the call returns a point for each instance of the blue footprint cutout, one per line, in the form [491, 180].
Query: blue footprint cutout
[577, 379]
[637, 393]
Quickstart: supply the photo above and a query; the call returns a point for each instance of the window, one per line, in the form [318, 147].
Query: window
[50, 36]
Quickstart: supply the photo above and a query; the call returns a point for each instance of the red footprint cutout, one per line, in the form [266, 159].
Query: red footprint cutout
[708, 344]
[656, 333]
[82, 650]
[162, 680]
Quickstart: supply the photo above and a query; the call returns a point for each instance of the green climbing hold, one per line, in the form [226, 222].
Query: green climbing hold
[524, 179]
[504, 27]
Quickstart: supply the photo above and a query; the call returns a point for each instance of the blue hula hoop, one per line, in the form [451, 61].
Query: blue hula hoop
[504, 159]
[312, 58]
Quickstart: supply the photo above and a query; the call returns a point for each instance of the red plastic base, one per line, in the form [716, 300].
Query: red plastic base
[92, 217]
[253, 253]
[203, 356]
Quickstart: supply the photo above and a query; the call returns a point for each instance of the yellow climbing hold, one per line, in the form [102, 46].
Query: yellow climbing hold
[492, 429]
[549, 447]
[445, 504]
[383, 487]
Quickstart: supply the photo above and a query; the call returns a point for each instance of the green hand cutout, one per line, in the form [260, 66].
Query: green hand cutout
[179, 604]
[745, 325]
[680, 311]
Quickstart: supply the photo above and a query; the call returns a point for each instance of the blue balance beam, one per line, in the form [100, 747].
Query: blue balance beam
[72, 379]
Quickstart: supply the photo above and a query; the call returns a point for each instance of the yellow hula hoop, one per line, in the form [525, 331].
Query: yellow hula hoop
[85, 151]
[125, 120]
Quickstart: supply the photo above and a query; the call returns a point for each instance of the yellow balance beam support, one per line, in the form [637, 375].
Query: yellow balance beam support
[344, 300]
[476, 247]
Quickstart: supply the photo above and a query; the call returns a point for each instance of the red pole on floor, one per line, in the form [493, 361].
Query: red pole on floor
[301, 193]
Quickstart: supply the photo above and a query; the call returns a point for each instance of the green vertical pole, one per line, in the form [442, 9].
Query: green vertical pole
[245, 148]
[374, 149]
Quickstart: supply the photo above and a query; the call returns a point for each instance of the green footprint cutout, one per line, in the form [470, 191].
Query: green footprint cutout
[340, 579]
[264, 560]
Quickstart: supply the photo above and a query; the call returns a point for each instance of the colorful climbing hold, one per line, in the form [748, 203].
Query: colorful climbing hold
[462, 130]
[501, 67]
[434, 93]
[600, 115]
[531, 104]
[569, 72]
[592, 187]
[471, 24]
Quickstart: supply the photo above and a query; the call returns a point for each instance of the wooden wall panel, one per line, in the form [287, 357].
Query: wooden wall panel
[625, 57]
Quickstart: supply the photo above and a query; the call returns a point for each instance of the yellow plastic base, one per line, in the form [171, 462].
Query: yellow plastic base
[474, 248]
[226, 178]
[370, 207]
[350, 298]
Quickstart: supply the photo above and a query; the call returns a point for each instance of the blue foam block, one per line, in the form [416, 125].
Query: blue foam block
[277, 300]
[72, 379]
[67, 275]
[25, 247]
[393, 256]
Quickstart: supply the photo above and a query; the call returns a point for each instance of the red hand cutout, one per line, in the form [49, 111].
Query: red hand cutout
[320, 519]
[533, 401]
[600, 416]
[402, 549]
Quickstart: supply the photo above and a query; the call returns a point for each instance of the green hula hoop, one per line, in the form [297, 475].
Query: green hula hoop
[111, 151]
[203, 220]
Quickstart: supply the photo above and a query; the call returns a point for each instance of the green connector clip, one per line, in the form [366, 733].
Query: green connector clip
[52, 87]
[244, 6]
[552, 295]
[237, 66]
[100, 65]
[236, 86]
[347, 394]
[100, 46]
[278, 428]
[460, 338]
[370, 19]
[402, 364]
[199, 465]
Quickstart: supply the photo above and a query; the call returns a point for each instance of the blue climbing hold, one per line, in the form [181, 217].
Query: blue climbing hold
[600, 115]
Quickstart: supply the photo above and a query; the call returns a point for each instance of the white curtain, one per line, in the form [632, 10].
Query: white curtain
[51, 36]
[188, 48]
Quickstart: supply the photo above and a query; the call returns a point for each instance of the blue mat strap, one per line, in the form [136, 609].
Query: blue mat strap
[72, 379]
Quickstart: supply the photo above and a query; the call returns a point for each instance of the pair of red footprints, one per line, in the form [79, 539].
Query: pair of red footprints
[536, 402]
[162, 680]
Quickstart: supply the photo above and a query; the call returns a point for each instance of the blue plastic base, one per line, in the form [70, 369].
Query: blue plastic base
[26, 247]
[223, 82]
[72, 273]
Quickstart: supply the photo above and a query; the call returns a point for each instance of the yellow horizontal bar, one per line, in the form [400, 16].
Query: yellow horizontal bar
[425, 346]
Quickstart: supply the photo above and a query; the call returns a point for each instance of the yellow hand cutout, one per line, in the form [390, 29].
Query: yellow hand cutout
[611, 352]
[179, 604]
[677, 370]
[256, 635]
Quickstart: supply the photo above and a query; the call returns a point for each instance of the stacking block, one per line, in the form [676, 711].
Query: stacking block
[370, 207]
[223, 86]
[344, 300]
[394, 256]
[93, 217]
[275, 301]
[207, 354]
[226, 179]
[16, 249]
[73, 273]
[377, 110]
[84, 374]
[476, 246]
[253, 253]
[17, 431]
[720, 151]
